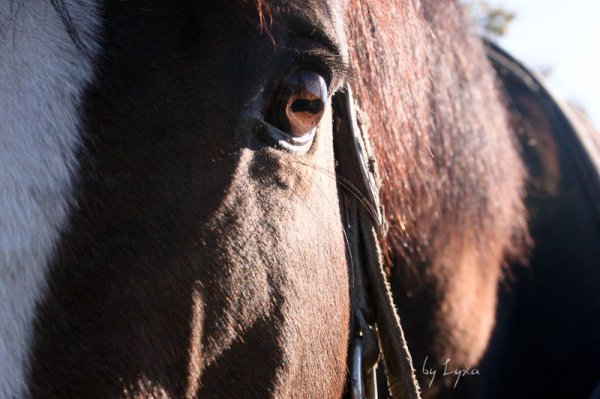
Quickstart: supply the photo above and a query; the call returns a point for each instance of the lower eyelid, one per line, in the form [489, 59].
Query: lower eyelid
[278, 138]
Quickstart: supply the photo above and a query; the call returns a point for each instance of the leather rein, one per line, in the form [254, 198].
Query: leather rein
[375, 328]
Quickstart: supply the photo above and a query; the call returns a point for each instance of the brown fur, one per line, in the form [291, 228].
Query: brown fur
[202, 263]
[453, 179]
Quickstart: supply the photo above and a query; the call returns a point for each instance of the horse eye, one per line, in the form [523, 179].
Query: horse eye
[300, 103]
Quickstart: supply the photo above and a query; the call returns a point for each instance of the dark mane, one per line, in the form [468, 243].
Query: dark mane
[453, 179]
[445, 182]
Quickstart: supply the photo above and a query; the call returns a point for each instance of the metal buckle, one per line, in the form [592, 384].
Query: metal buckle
[363, 383]
[356, 377]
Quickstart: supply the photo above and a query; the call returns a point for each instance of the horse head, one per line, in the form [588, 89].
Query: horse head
[173, 226]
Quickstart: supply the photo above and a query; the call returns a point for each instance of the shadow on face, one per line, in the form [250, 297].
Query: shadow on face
[204, 256]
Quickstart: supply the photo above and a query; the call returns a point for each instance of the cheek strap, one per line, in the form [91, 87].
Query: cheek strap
[375, 325]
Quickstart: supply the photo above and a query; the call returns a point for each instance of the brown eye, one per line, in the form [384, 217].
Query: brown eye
[300, 103]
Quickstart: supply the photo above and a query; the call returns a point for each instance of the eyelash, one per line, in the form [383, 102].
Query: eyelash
[315, 63]
[330, 67]
[306, 53]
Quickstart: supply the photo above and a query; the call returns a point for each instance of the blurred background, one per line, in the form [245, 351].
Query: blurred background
[558, 39]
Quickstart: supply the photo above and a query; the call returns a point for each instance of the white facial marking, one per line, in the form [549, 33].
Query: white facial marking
[42, 77]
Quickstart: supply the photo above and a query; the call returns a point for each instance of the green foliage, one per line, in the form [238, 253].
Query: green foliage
[492, 21]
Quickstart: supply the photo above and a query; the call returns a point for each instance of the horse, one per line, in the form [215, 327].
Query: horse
[171, 224]
[547, 326]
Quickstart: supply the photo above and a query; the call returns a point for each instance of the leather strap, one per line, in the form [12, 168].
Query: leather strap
[374, 316]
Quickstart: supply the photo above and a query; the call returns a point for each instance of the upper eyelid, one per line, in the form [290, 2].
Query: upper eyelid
[338, 70]
[310, 37]
[298, 26]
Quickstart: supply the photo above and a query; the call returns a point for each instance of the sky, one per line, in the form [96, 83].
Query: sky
[563, 36]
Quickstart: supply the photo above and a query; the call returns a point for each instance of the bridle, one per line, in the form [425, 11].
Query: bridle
[375, 326]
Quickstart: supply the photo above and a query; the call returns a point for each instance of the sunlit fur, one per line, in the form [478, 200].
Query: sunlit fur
[453, 179]
[201, 262]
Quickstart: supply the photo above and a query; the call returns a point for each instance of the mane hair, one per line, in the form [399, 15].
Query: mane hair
[262, 17]
[451, 170]
[453, 179]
